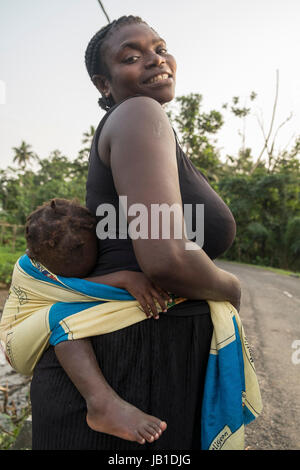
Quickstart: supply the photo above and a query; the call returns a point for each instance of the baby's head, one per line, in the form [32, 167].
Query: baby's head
[61, 235]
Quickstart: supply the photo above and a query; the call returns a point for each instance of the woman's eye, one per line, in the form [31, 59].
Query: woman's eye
[162, 50]
[131, 60]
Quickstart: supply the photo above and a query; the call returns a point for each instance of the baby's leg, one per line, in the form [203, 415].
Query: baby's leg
[106, 411]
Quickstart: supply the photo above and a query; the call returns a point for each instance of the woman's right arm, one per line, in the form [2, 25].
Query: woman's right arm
[144, 167]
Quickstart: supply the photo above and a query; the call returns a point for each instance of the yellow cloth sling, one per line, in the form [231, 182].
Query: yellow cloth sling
[44, 309]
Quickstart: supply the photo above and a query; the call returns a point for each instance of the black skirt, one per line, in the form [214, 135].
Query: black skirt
[157, 365]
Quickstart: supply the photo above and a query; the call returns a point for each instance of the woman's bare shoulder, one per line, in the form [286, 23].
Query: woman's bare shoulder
[138, 103]
[137, 113]
[138, 122]
[136, 118]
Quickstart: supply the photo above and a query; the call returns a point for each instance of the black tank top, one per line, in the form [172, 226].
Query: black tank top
[118, 254]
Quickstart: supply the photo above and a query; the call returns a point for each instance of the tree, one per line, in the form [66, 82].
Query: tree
[269, 136]
[23, 155]
[196, 128]
[81, 161]
[88, 136]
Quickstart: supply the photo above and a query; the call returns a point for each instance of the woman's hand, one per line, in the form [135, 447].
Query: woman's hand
[146, 293]
[139, 286]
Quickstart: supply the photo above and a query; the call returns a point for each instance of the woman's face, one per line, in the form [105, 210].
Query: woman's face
[139, 64]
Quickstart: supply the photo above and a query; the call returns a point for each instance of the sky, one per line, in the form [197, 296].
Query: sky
[223, 48]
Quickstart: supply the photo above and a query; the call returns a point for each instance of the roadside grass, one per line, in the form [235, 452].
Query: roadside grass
[268, 268]
[7, 262]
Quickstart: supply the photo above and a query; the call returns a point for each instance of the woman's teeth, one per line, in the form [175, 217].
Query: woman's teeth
[158, 78]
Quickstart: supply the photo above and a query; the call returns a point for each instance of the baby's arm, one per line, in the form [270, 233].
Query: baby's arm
[139, 286]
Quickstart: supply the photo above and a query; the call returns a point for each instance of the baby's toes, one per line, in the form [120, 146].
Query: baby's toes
[147, 433]
[163, 425]
[157, 430]
[139, 438]
[152, 431]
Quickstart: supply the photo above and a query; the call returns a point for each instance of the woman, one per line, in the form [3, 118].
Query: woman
[158, 366]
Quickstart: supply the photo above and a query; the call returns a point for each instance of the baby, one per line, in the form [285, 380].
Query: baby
[61, 235]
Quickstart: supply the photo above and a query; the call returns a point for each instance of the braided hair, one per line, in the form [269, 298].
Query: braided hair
[94, 57]
[58, 235]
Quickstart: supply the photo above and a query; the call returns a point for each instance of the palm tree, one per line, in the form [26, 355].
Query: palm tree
[23, 155]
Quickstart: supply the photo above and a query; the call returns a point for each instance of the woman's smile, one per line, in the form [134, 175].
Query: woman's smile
[160, 79]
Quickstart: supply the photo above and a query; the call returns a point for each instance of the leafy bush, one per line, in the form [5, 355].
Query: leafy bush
[7, 262]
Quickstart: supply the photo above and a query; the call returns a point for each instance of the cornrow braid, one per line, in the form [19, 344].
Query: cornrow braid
[94, 58]
[56, 233]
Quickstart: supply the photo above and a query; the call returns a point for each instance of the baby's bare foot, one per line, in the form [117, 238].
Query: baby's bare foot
[117, 417]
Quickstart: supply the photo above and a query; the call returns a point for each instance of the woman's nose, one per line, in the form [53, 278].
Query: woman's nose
[154, 59]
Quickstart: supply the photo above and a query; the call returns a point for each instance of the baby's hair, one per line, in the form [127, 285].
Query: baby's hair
[56, 233]
[94, 57]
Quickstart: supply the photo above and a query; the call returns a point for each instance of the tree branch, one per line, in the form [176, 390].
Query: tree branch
[271, 125]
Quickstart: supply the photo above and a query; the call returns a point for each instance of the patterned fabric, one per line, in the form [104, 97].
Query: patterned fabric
[44, 309]
[231, 394]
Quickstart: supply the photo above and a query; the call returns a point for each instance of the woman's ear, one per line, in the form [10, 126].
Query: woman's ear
[102, 84]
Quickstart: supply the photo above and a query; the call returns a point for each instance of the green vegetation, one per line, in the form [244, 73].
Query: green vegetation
[262, 193]
[23, 189]
[12, 418]
[268, 268]
[7, 262]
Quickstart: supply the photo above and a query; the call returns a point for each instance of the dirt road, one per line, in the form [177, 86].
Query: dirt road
[270, 312]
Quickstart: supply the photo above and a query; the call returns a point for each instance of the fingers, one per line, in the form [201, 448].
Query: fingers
[162, 293]
[148, 305]
[147, 301]
[152, 306]
[145, 307]
[161, 297]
